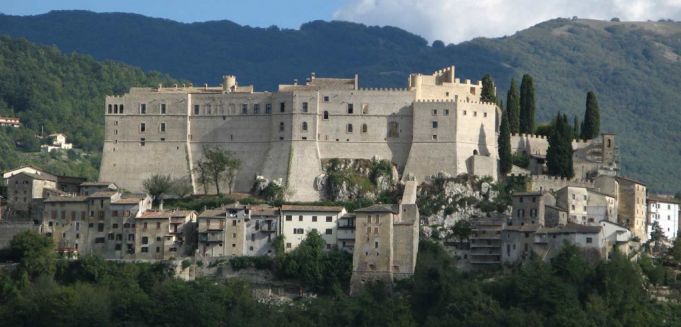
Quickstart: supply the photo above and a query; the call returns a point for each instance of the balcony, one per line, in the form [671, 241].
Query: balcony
[268, 228]
[214, 237]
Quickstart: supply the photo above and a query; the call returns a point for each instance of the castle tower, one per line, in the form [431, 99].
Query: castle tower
[609, 149]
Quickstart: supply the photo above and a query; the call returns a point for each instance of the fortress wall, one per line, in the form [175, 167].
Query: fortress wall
[124, 160]
[305, 165]
[429, 155]
[539, 144]
[475, 133]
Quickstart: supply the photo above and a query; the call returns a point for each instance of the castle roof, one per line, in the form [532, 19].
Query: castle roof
[392, 208]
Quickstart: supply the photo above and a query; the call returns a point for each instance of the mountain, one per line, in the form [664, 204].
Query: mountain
[52, 92]
[634, 67]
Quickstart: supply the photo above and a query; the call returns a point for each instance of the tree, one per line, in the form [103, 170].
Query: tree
[34, 252]
[504, 144]
[559, 153]
[488, 93]
[201, 170]
[591, 124]
[462, 230]
[656, 236]
[182, 187]
[527, 105]
[513, 108]
[158, 186]
[575, 128]
[219, 164]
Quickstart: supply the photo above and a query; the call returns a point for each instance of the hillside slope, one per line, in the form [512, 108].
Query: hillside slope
[53, 92]
[634, 67]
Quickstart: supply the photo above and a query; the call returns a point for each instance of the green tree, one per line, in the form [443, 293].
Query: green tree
[575, 128]
[489, 91]
[513, 108]
[34, 252]
[462, 230]
[591, 124]
[158, 186]
[559, 153]
[220, 164]
[202, 172]
[182, 187]
[504, 145]
[527, 105]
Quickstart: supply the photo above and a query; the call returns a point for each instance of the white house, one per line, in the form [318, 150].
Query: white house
[664, 211]
[298, 220]
[58, 143]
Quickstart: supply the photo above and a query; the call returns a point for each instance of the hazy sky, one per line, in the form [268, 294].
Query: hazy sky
[449, 20]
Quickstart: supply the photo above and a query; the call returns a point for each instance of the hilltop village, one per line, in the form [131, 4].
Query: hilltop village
[427, 159]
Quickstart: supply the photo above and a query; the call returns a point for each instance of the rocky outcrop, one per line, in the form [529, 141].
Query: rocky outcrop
[349, 179]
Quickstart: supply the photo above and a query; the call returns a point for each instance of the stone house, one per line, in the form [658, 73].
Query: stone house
[386, 243]
[162, 235]
[298, 220]
[664, 211]
[529, 207]
[261, 229]
[600, 206]
[222, 232]
[517, 243]
[24, 187]
[575, 201]
[632, 206]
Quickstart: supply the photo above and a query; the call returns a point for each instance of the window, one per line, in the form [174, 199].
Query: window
[110, 109]
[120, 109]
[314, 219]
[281, 126]
[100, 227]
[282, 107]
[143, 108]
[300, 218]
[434, 124]
[446, 112]
[475, 114]
[434, 137]
[289, 218]
[589, 240]
[328, 231]
[304, 106]
[326, 98]
[329, 219]
[298, 231]
[158, 225]
[326, 115]
[145, 249]
[288, 245]
[163, 108]
[145, 240]
[114, 226]
[484, 114]
[244, 108]
[464, 112]
[393, 129]
[143, 127]
[349, 128]
[365, 128]
[351, 108]
[268, 108]
[99, 240]
[256, 108]
[163, 127]
[142, 141]
[197, 108]
[304, 126]
[434, 112]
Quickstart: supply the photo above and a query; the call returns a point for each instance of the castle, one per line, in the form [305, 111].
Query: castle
[437, 124]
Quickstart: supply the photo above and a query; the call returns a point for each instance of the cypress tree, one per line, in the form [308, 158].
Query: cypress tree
[527, 105]
[513, 108]
[592, 121]
[504, 144]
[559, 153]
[488, 93]
[575, 128]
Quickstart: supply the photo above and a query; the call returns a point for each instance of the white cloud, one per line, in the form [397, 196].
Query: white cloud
[455, 21]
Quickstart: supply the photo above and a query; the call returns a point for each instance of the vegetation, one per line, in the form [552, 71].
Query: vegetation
[565, 292]
[527, 105]
[513, 108]
[488, 92]
[592, 120]
[157, 186]
[216, 166]
[559, 153]
[504, 144]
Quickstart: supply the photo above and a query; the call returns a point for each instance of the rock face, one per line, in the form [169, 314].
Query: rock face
[349, 179]
[444, 200]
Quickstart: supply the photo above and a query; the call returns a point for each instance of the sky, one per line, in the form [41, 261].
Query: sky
[451, 21]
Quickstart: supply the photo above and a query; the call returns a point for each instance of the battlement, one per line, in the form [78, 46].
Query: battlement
[537, 137]
[554, 183]
[383, 89]
[434, 101]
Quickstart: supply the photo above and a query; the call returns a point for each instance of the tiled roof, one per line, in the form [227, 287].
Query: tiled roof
[380, 208]
[102, 194]
[264, 210]
[165, 214]
[631, 180]
[44, 176]
[66, 199]
[311, 208]
[96, 184]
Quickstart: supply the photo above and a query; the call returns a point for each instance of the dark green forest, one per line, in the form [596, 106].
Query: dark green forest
[634, 68]
[54, 92]
[43, 290]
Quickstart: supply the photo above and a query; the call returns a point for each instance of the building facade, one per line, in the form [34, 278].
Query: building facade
[436, 124]
[664, 211]
[297, 221]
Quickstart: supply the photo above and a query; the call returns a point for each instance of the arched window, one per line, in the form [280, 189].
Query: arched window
[110, 109]
[475, 152]
[349, 128]
[365, 128]
[326, 114]
[115, 108]
[120, 111]
[304, 126]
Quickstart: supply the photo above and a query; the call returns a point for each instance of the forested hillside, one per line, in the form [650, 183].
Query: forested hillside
[633, 67]
[54, 92]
